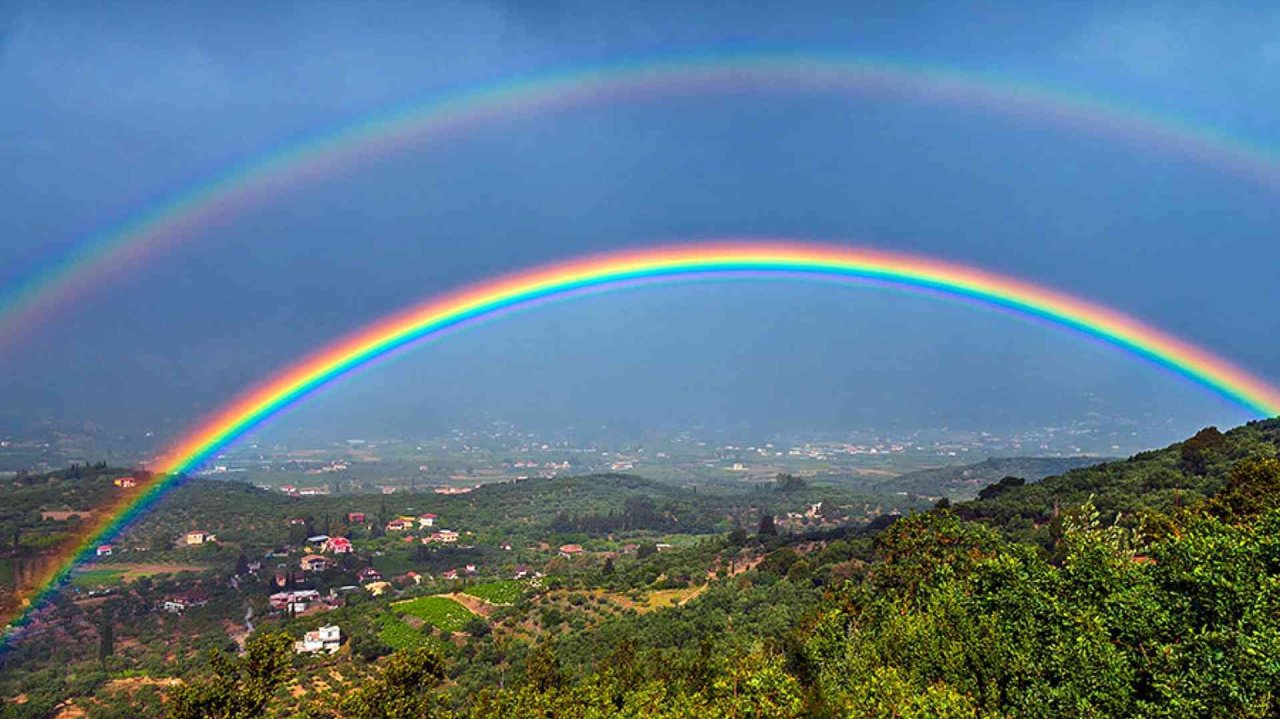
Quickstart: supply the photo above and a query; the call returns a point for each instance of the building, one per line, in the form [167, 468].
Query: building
[338, 545]
[444, 536]
[355, 517]
[185, 601]
[470, 568]
[570, 550]
[197, 537]
[521, 572]
[451, 574]
[314, 563]
[298, 599]
[125, 482]
[326, 639]
[427, 520]
[377, 589]
[368, 574]
[396, 525]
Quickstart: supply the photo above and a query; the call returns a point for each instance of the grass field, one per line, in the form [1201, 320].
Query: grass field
[440, 612]
[506, 592]
[115, 574]
[398, 635]
[98, 578]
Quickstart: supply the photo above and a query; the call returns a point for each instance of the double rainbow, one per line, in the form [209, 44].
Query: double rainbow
[688, 262]
[190, 213]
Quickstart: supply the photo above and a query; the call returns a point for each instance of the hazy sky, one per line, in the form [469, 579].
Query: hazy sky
[105, 111]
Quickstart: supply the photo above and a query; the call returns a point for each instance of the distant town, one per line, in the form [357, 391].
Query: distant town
[462, 459]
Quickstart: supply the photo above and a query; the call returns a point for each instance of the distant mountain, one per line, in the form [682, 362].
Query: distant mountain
[964, 481]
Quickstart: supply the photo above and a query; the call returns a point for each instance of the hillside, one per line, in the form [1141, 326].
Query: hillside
[964, 481]
[1143, 587]
[1161, 480]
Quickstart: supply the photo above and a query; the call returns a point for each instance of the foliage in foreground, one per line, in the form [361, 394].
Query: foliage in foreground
[1179, 617]
[240, 687]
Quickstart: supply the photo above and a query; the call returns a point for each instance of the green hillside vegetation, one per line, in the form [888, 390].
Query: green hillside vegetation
[964, 481]
[506, 592]
[39, 511]
[1148, 587]
[440, 612]
[1127, 491]
[395, 634]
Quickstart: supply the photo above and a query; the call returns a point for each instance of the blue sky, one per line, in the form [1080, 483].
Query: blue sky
[107, 110]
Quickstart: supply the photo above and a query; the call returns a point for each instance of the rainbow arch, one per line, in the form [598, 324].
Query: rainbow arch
[491, 299]
[187, 213]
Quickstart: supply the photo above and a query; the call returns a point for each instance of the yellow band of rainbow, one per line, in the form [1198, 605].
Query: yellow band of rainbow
[692, 261]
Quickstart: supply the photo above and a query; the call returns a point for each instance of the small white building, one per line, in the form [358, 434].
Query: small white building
[104, 550]
[326, 639]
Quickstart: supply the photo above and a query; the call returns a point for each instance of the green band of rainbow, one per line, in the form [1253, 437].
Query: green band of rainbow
[490, 299]
[189, 213]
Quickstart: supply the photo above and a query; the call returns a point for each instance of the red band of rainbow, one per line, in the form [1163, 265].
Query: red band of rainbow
[189, 213]
[490, 299]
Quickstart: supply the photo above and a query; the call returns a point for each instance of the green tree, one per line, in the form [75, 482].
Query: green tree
[1253, 487]
[240, 687]
[106, 637]
[767, 526]
[1202, 450]
[542, 669]
[789, 483]
[401, 689]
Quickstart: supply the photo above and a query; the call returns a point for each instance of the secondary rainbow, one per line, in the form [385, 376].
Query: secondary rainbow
[724, 259]
[189, 213]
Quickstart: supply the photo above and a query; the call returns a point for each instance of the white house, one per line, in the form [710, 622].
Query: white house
[104, 550]
[326, 639]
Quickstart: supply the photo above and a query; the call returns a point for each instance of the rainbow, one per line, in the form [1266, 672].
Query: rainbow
[695, 261]
[187, 214]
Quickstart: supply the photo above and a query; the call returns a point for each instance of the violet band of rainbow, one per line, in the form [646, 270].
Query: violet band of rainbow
[491, 299]
[189, 213]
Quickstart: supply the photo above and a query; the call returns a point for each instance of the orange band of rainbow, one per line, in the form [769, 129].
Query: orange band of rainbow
[489, 299]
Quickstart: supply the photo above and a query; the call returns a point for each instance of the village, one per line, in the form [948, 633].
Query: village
[323, 573]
